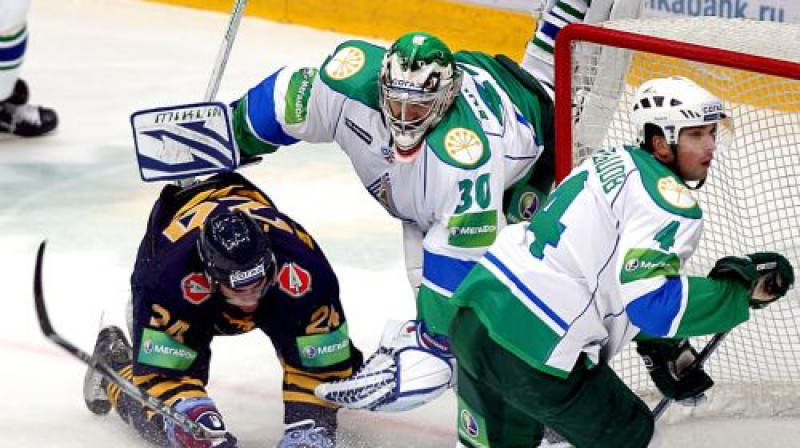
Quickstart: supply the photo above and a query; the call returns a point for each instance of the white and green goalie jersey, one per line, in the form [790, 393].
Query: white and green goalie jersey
[453, 190]
[599, 264]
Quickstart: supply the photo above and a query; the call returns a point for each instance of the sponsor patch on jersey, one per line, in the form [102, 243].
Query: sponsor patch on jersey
[345, 63]
[464, 146]
[675, 194]
[471, 426]
[294, 280]
[297, 94]
[158, 349]
[472, 229]
[196, 288]
[321, 350]
[646, 263]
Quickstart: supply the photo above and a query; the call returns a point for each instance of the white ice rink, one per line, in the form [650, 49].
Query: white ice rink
[95, 62]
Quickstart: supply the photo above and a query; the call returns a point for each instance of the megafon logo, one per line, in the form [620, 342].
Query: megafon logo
[632, 264]
[151, 347]
[314, 351]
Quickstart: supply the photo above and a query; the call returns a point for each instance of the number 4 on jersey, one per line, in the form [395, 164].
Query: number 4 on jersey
[546, 223]
[666, 236]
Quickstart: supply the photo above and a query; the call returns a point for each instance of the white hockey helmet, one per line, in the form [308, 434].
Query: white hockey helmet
[418, 82]
[672, 104]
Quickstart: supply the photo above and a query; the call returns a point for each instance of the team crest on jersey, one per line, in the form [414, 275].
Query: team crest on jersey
[345, 63]
[294, 280]
[464, 146]
[675, 194]
[196, 288]
[469, 424]
[528, 204]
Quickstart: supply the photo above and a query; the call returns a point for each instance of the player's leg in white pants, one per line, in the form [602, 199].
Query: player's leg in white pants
[657, 441]
[13, 39]
[538, 58]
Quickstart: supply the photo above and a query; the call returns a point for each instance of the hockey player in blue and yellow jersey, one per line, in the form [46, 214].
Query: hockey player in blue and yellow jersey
[218, 258]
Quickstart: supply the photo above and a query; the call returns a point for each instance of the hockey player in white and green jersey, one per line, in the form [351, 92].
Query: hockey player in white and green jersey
[599, 264]
[443, 141]
[455, 145]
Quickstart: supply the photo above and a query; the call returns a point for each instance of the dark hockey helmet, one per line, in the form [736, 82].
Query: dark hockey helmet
[236, 250]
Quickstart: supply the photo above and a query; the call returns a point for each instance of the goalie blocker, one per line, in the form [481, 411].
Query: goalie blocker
[184, 141]
[410, 368]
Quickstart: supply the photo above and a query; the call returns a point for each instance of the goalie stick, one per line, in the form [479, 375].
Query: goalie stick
[104, 369]
[179, 143]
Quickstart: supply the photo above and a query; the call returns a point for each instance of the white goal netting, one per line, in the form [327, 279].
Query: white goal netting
[751, 200]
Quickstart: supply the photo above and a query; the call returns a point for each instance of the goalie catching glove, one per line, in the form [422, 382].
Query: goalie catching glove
[409, 369]
[767, 275]
[669, 362]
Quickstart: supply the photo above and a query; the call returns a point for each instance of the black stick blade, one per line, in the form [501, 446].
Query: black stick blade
[38, 293]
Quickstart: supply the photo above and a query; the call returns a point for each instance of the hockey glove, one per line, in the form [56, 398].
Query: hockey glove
[668, 361]
[305, 434]
[767, 275]
[202, 411]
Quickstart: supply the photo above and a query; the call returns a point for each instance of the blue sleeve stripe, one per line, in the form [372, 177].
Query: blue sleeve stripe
[443, 271]
[655, 311]
[261, 113]
[526, 291]
[551, 30]
[13, 53]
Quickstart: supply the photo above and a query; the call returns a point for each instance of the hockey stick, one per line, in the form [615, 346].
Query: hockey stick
[130, 389]
[698, 362]
[221, 62]
[225, 50]
[181, 142]
[553, 437]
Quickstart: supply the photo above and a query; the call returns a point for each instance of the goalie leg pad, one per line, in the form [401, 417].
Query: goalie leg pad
[406, 371]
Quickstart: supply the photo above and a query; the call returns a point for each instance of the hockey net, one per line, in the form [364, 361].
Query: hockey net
[751, 200]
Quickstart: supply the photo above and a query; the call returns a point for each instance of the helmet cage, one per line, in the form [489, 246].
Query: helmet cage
[418, 82]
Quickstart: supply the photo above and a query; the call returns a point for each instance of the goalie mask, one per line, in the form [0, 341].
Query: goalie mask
[675, 103]
[418, 82]
[236, 251]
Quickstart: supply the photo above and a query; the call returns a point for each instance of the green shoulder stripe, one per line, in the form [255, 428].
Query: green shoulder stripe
[664, 187]
[353, 71]
[459, 140]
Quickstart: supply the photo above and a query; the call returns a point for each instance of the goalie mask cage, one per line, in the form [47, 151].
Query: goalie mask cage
[751, 199]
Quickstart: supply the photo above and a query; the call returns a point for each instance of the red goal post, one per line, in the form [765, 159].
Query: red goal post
[598, 34]
[751, 201]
